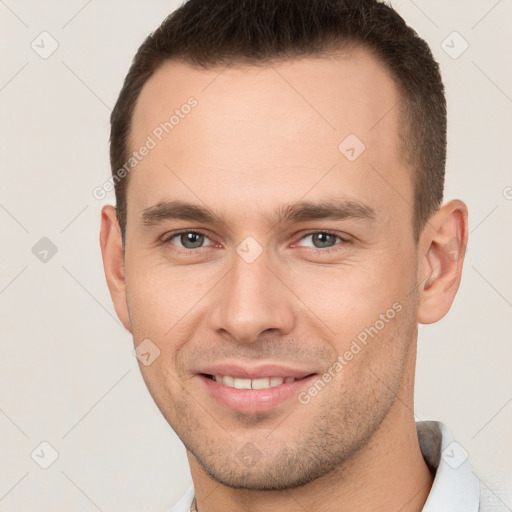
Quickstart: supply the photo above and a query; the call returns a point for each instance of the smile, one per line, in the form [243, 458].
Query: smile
[253, 391]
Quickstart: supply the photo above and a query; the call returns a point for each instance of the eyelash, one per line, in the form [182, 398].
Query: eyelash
[167, 240]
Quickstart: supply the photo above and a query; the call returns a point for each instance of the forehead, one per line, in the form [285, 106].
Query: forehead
[270, 129]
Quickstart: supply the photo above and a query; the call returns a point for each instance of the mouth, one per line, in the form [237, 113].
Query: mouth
[253, 392]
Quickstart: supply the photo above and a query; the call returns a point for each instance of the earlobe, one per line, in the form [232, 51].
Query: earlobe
[113, 262]
[442, 248]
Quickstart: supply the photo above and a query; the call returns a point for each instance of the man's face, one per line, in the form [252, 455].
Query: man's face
[263, 295]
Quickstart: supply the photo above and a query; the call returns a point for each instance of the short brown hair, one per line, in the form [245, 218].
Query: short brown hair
[222, 32]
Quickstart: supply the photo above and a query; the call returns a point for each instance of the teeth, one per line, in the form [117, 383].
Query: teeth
[276, 381]
[260, 383]
[229, 381]
[263, 383]
[242, 383]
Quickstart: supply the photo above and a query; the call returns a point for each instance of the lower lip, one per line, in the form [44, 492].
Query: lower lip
[253, 401]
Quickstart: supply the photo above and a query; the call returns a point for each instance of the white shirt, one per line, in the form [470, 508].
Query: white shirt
[456, 487]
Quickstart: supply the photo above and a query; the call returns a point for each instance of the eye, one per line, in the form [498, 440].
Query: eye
[187, 239]
[323, 239]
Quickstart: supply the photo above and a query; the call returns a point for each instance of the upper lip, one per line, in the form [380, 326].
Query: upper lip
[255, 371]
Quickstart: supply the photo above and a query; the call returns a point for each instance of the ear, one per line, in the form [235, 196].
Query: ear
[442, 247]
[113, 262]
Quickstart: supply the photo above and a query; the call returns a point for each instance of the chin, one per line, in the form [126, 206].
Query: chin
[283, 472]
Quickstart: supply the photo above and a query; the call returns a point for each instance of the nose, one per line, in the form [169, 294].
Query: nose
[252, 299]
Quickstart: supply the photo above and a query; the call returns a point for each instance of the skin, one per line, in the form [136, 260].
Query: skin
[252, 144]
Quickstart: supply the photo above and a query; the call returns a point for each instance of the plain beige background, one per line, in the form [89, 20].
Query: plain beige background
[68, 376]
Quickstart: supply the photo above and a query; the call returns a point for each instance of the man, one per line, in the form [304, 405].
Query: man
[279, 233]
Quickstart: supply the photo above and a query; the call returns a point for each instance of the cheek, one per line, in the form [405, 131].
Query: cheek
[350, 297]
[159, 296]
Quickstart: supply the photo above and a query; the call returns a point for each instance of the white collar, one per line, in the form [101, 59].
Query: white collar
[456, 486]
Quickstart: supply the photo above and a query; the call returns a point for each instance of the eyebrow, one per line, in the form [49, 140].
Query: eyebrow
[288, 213]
